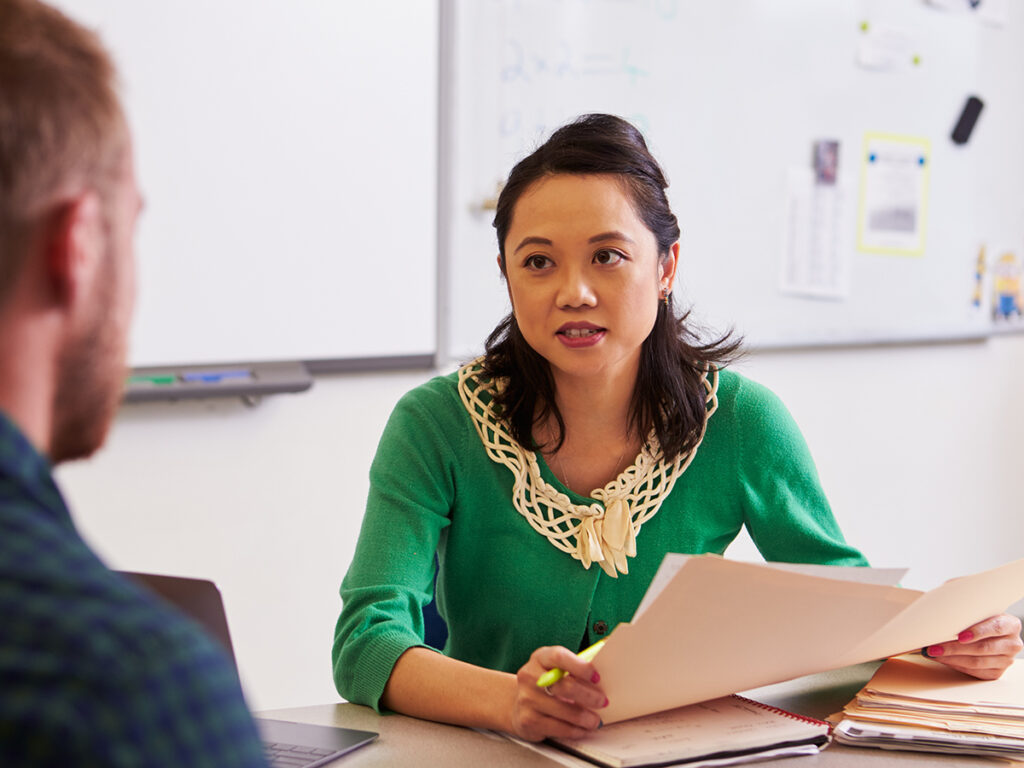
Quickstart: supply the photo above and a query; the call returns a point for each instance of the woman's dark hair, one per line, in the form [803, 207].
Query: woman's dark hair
[669, 396]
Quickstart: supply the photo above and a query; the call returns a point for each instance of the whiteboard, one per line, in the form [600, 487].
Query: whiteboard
[731, 95]
[287, 153]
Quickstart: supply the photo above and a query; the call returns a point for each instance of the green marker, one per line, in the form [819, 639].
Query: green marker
[157, 380]
[552, 676]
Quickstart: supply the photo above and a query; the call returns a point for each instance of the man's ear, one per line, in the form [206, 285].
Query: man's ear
[73, 242]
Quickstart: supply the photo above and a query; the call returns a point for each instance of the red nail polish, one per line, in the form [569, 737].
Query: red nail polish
[966, 636]
[605, 702]
[935, 650]
[595, 678]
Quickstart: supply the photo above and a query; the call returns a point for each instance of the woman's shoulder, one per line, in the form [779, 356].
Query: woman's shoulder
[438, 395]
[437, 387]
[442, 411]
[448, 396]
[744, 398]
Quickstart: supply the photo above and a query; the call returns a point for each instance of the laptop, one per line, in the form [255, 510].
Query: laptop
[291, 745]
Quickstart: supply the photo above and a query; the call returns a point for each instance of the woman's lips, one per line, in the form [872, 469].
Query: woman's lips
[577, 335]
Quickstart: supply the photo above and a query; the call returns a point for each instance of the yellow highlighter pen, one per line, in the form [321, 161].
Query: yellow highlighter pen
[552, 676]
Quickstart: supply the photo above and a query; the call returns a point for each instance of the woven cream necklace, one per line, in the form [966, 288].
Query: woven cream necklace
[603, 532]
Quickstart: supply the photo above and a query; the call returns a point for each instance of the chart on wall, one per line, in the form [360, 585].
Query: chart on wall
[820, 196]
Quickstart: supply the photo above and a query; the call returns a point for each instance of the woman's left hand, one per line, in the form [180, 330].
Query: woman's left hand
[984, 650]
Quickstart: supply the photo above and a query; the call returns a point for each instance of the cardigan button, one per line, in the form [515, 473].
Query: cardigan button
[600, 627]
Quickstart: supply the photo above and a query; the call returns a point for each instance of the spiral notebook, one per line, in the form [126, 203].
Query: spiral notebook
[725, 731]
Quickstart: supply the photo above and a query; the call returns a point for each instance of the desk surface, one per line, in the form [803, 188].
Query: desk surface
[407, 741]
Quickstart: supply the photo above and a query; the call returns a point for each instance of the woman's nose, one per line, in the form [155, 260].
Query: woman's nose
[575, 290]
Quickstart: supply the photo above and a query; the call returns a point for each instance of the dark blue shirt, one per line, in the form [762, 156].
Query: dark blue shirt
[94, 671]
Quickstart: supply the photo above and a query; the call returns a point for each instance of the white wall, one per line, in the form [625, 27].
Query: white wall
[919, 448]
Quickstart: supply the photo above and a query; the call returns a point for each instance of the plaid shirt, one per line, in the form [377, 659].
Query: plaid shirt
[93, 671]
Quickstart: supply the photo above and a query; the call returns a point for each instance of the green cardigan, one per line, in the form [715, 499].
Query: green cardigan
[502, 588]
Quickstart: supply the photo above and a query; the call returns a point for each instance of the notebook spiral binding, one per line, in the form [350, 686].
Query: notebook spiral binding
[786, 713]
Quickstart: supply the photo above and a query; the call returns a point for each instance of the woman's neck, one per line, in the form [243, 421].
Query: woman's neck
[595, 407]
[598, 442]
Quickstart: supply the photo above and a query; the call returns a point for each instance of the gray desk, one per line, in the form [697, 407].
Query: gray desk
[407, 741]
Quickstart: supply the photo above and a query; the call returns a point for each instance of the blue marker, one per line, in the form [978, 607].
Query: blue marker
[216, 377]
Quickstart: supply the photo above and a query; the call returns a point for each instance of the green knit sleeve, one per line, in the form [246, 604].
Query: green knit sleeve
[391, 576]
[786, 511]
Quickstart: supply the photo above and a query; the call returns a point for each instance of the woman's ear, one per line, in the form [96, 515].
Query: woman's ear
[504, 276]
[667, 268]
[73, 245]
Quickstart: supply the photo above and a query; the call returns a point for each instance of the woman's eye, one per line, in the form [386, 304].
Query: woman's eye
[537, 262]
[607, 257]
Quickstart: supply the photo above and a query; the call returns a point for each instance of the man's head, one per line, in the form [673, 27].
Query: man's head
[68, 204]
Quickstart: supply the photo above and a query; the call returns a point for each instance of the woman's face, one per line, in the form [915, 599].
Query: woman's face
[584, 275]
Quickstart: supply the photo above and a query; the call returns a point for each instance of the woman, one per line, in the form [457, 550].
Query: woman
[530, 472]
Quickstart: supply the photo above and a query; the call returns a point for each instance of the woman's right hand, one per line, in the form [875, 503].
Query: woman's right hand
[567, 709]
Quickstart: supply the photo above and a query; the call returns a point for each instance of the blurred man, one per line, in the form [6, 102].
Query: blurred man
[92, 670]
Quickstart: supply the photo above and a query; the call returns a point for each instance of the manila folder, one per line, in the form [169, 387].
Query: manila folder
[721, 626]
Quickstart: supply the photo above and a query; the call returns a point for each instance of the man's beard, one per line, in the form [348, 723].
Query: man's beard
[90, 378]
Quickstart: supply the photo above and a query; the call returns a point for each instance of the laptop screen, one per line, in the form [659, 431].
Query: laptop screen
[198, 598]
[287, 743]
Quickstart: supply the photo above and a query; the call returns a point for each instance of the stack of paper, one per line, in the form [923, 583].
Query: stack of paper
[913, 703]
